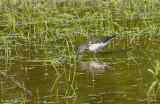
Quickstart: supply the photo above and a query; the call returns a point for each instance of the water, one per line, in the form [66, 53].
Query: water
[39, 47]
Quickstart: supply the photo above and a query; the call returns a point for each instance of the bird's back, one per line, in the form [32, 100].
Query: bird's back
[99, 39]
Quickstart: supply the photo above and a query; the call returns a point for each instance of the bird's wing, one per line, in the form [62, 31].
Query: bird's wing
[94, 40]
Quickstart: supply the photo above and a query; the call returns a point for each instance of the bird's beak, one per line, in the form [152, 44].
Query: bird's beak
[77, 54]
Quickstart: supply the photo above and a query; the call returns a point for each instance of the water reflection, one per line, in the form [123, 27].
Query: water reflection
[96, 66]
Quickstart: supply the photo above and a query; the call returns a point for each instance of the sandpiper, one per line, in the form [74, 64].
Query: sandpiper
[96, 43]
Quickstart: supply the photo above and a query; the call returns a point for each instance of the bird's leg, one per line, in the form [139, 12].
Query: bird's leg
[94, 54]
[77, 54]
[99, 51]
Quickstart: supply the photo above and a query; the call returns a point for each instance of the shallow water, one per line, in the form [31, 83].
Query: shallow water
[39, 47]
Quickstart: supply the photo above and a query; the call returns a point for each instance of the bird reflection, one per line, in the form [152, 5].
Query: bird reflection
[96, 66]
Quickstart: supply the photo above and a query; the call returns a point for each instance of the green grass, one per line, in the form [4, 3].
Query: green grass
[154, 87]
[49, 32]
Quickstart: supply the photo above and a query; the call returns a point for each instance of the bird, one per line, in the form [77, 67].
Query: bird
[95, 43]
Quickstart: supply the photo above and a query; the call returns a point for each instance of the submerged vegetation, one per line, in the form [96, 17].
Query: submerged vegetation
[156, 84]
[44, 34]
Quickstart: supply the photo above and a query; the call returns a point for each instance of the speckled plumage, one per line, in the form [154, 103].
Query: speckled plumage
[95, 43]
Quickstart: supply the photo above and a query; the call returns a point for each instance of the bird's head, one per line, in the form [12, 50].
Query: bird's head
[81, 48]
